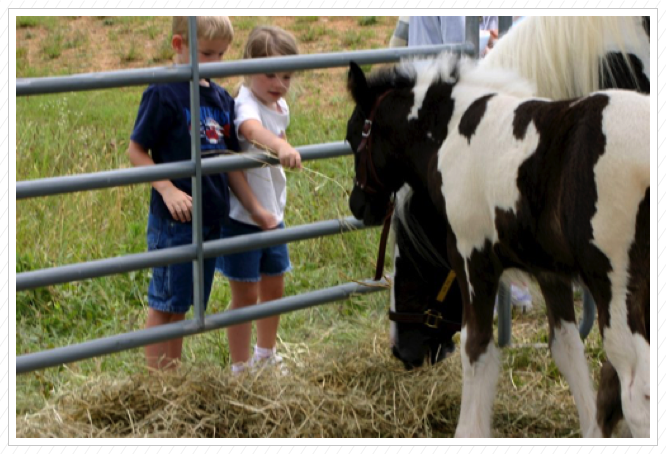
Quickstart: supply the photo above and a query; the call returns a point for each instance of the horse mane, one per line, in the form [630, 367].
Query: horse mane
[562, 54]
[454, 69]
[412, 229]
[389, 77]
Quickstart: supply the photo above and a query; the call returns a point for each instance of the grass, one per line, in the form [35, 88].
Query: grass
[73, 133]
[47, 22]
[131, 53]
[366, 21]
[53, 47]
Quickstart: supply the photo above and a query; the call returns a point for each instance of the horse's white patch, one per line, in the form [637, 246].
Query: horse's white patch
[634, 374]
[478, 393]
[425, 72]
[473, 187]
[622, 175]
[569, 356]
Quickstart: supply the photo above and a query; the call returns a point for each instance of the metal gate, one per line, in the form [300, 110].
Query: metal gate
[195, 168]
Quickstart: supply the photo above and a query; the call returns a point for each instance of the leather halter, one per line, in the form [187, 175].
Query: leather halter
[430, 318]
[366, 166]
[381, 255]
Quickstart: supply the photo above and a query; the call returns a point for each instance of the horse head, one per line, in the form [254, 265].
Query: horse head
[399, 122]
[426, 303]
[376, 178]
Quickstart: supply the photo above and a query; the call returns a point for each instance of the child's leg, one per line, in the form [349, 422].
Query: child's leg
[167, 354]
[242, 294]
[270, 288]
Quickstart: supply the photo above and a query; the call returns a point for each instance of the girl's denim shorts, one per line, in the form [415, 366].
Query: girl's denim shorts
[170, 288]
[249, 266]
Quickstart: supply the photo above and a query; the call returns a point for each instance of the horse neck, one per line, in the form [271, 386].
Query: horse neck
[416, 174]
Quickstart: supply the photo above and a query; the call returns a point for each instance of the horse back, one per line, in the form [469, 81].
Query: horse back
[533, 173]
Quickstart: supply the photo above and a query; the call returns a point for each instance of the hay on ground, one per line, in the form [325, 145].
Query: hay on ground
[356, 392]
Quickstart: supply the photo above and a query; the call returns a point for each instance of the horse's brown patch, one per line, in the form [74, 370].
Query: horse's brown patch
[472, 117]
[638, 302]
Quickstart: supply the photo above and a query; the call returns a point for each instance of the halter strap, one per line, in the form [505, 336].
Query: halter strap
[367, 166]
[379, 270]
[430, 318]
[446, 286]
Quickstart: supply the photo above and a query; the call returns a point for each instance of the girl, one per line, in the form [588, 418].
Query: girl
[262, 116]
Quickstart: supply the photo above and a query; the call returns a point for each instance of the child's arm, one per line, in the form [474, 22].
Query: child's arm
[255, 132]
[238, 183]
[178, 202]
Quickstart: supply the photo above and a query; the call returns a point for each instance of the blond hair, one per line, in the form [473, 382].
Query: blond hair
[269, 41]
[208, 27]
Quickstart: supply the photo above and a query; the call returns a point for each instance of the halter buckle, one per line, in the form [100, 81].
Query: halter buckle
[432, 318]
[367, 127]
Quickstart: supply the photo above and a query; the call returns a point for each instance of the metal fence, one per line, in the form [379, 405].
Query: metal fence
[195, 168]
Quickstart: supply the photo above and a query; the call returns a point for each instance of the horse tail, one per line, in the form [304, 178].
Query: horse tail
[563, 54]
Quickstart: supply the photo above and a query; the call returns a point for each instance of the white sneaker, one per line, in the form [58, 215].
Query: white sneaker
[257, 363]
[239, 368]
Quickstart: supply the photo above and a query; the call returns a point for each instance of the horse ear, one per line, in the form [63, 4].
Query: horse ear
[357, 85]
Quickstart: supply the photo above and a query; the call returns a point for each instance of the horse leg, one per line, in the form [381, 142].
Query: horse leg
[609, 402]
[623, 326]
[480, 358]
[567, 349]
[629, 353]
[622, 289]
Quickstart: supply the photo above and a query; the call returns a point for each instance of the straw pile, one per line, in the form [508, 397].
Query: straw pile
[357, 391]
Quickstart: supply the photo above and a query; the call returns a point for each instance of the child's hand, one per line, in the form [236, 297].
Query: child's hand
[289, 157]
[264, 218]
[178, 203]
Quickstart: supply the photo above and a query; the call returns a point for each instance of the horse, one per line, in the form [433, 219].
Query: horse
[515, 212]
[616, 68]
[422, 275]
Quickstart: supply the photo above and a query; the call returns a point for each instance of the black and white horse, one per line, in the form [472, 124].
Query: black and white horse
[616, 52]
[560, 189]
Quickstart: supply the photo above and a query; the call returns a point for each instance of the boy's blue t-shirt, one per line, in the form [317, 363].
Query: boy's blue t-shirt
[163, 127]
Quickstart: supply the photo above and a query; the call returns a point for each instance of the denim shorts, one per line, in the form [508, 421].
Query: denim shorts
[249, 266]
[171, 288]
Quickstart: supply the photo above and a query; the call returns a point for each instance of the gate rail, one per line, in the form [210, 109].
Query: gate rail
[195, 168]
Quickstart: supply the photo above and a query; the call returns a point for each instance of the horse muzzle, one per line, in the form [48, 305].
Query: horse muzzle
[371, 210]
[412, 363]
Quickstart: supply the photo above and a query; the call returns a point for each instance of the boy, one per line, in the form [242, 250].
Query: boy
[163, 128]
